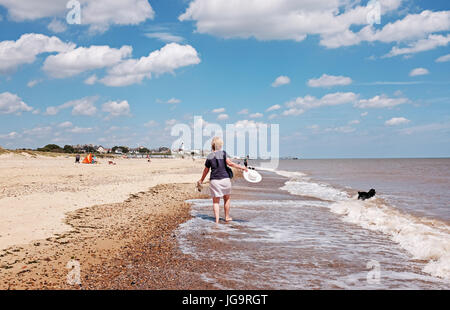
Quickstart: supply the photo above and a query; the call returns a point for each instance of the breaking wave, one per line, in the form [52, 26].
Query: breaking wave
[425, 239]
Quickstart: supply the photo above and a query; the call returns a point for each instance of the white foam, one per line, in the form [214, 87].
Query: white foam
[425, 240]
[312, 189]
[300, 184]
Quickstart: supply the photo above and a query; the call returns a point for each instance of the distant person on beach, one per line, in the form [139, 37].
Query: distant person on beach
[220, 183]
[77, 159]
[246, 161]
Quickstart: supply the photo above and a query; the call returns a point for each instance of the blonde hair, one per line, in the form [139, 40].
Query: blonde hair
[216, 143]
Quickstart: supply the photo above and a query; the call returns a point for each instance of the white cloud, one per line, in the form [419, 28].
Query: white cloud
[380, 102]
[272, 116]
[113, 128]
[26, 48]
[329, 80]
[274, 108]
[391, 83]
[81, 130]
[169, 123]
[218, 110]
[84, 106]
[10, 136]
[293, 112]
[354, 122]
[115, 109]
[301, 104]
[279, 20]
[99, 14]
[222, 117]
[256, 115]
[170, 101]
[11, 103]
[151, 123]
[65, 125]
[169, 58]
[281, 80]
[76, 61]
[33, 83]
[429, 43]
[246, 124]
[20, 10]
[173, 101]
[333, 21]
[91, 80]
[342, 129]
[425, 128]
[165, 37]
[364, 114]
[411, 27]
[38, 131]
[419, 71]
[396, 121]
[242, 112]
[443, 58]
[310, 102]
[57, 26]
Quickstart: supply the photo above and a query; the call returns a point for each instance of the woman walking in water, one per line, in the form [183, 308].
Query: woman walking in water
[220, 183]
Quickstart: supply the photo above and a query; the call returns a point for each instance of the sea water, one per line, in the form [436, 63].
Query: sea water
[303, 228]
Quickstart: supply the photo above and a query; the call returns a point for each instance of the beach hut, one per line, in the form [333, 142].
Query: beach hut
[88, 159]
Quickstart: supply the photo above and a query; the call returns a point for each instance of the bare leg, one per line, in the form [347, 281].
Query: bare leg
[216, 202]
[226, 206]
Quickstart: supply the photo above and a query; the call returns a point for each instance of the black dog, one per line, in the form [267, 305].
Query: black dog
[366, 195]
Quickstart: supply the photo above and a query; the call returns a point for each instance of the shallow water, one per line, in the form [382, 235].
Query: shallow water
[300, 229]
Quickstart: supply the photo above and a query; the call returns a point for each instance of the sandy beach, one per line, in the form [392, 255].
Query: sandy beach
[53, 211]
[37, 192]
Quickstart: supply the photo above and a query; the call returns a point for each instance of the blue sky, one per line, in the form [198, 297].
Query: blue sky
[347, 88]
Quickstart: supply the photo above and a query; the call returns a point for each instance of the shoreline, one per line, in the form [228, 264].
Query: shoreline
[37, 193]
[128, 245]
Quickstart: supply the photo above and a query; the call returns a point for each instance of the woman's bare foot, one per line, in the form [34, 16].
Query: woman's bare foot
[229, 219]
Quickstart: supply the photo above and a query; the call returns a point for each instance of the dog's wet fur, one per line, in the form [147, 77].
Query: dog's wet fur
[366, 195]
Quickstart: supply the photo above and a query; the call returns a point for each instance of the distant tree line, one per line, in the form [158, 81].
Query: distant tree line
[69, 149]
[66, 149]
[51, 148]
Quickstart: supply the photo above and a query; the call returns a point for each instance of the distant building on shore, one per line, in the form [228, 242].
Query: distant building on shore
[102, 150]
